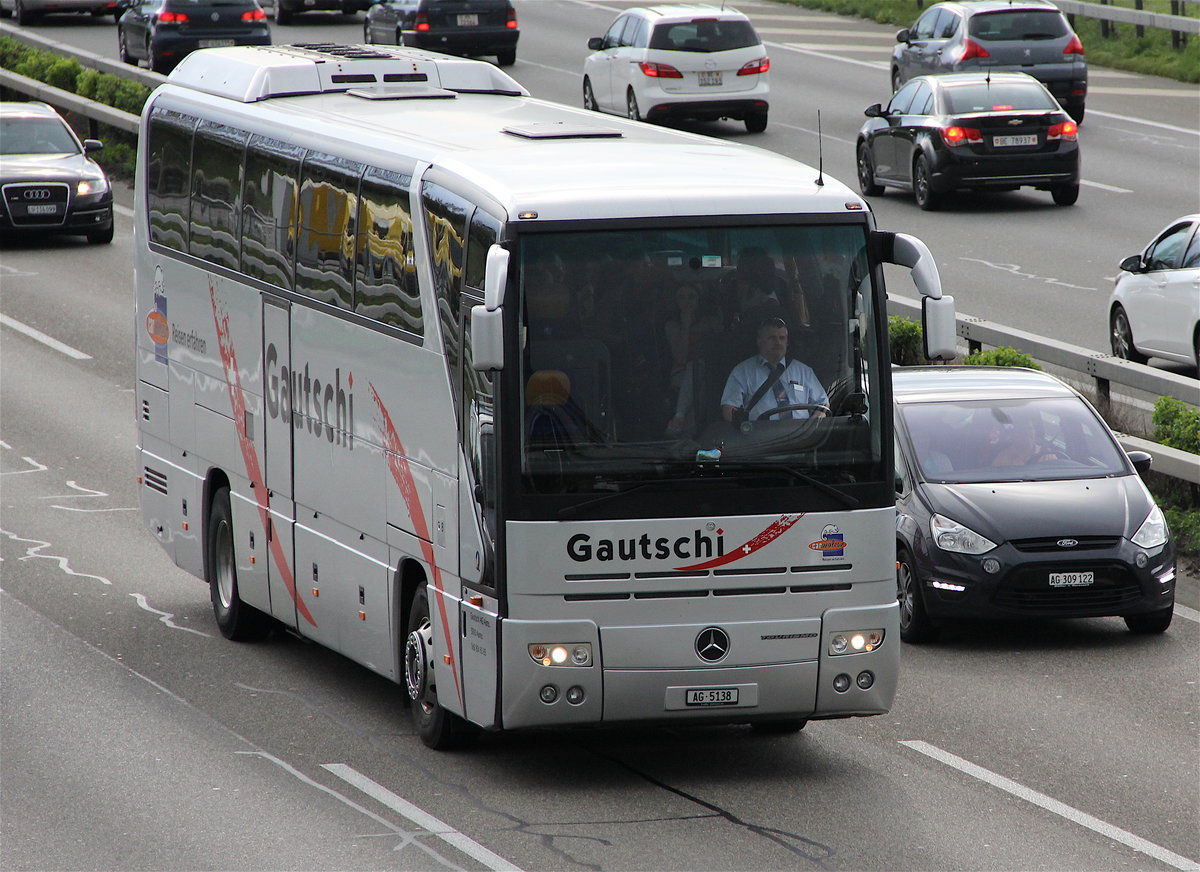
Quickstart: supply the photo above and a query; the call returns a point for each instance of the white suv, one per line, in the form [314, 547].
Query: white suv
[661, 62]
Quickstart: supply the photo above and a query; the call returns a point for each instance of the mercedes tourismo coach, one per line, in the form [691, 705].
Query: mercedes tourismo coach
[442, 377]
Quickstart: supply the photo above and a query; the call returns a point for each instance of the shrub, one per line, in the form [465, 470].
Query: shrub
[1176, 424]
[1002, 356]
[907, 342]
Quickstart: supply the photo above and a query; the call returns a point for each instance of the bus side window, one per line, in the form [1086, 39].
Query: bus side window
[386, 288]
[326, 239]
[270, 201]
[168, 171]
[446, 226]
[216, 194]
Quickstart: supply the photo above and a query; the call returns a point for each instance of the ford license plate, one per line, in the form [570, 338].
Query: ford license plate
[1071, 579]
[705, 696]
[709, 77]
[471, 20]
[1023, 139]
[42, 210]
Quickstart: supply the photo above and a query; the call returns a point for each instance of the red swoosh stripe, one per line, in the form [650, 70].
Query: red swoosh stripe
[402, 475]
[770, 534]
[249, 455]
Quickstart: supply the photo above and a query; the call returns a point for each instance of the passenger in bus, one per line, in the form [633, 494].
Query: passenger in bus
[552, 417]
[757, 291]
[770, 379]
[686, 330]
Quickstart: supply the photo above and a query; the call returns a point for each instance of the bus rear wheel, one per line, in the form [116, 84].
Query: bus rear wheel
[235, 619]
[438, 728]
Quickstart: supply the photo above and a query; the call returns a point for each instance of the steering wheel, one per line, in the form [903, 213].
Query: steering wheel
[793, 407]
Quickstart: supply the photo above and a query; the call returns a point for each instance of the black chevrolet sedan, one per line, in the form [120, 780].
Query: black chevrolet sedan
[971, 131]
[50, 182]
[1014, 500]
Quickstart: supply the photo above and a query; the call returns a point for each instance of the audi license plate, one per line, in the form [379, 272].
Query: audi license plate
[469, 20]
[42, 210]
[711, 696]
[1023, 139]
[709, 77]
[1071, 579]
[215, 43]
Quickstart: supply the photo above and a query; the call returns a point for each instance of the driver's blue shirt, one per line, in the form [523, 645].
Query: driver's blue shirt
[799, 385]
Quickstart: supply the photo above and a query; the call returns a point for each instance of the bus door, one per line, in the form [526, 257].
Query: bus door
[277, 465]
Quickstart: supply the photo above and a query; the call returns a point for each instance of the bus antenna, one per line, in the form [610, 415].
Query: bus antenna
[820, 154]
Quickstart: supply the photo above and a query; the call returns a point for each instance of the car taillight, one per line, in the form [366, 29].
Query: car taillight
[972, 49]
[1074, 46]
[659, 71]
[169, 17]
[955, 135]
[422, 21]
[254, 15]
[753, 68]
[1067, 130]
[511, 24]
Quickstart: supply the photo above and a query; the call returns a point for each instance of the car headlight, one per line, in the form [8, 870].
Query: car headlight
[1153, 531]
[91, 186]
[953, 536]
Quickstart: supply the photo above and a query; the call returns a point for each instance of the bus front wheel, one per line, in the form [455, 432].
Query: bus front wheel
[235, 619]
[438, 728]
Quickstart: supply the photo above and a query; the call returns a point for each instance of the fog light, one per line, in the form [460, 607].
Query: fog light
[855, 641]
[838, 645]
[575, 695]
[581, 655]
[549, 694]
[1141, 560]
[991, 566]
[841, 683]
[865, 679]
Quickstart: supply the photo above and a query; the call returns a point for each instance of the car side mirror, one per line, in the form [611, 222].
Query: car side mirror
[91, 146]
[596, 43]
[903, 36]
[875, 110]
[1132, 264]
[1141, 461]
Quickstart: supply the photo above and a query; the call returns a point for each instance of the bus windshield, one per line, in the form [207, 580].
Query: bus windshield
[654, 353]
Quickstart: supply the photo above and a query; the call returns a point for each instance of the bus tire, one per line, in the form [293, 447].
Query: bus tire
[915, 626]
[235, 619]
[438, 728]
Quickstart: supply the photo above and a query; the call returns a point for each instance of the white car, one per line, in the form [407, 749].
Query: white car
[661, 62]
[1154, 310]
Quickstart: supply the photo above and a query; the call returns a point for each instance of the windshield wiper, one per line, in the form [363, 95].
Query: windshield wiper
[642, 484]
[800, 475]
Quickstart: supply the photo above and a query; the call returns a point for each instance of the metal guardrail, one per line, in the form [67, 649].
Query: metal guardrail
[1101, 370]
[1138, 17]
[23, 35]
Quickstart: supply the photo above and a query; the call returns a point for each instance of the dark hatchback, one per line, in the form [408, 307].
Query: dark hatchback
[973, 131]
[50, 182]
[1014, 500]
[472, 28]
[164, 32]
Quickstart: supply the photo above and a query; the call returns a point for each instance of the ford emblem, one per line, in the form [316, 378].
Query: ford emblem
[1067, 543]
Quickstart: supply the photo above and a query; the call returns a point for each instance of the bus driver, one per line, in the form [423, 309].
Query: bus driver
[769, 380]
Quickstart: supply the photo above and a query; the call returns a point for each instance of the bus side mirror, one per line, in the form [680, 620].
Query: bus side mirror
[495, 277]
[937, 322]
[487, 338]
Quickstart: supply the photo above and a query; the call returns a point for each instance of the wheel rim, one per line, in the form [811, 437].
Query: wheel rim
[589, 99]
[905, 592]
[417, 676]
[921, 182]
[632, 107]
[866, 175]
[1122, 335]
[225, 572]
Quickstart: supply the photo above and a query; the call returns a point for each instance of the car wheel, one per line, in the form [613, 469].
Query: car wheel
[589, 96]
[438, 728]
[1065, 195]
[506, 58]
[1076, 110]
[896, 82]
[756, 123]
[154, 61]
[235, 619]
[1152, 622]
[367, 32]
[101, 237]
[5, 13]
[915, 626]
[123, 48]
[23, 15]
[282, 14]
[927, 198]
[1120, 336]
[631, 106]
[866, 172]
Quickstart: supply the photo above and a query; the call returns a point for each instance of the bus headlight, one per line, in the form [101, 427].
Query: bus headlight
[561, 653]
[855, 641]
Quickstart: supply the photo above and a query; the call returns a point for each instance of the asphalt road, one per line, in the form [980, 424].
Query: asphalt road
[133, 737]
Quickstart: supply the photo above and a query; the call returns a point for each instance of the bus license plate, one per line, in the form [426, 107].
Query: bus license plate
[1024, 139]
[41, 210]
[1071, 579]
[471, 20]
[711, 696]
[710, 77]
[215, 43]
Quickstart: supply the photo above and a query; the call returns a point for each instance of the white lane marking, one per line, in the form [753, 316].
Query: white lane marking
[1104, 187]
[1141, 92]
[1053, 806]
[122, 210]
[1187, 614]
[421, 818]
[1094, 113]
[164, 617]
[64, 563]
[43, 338]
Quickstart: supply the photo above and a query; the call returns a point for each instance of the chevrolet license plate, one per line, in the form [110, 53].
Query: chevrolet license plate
[1023, 139]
